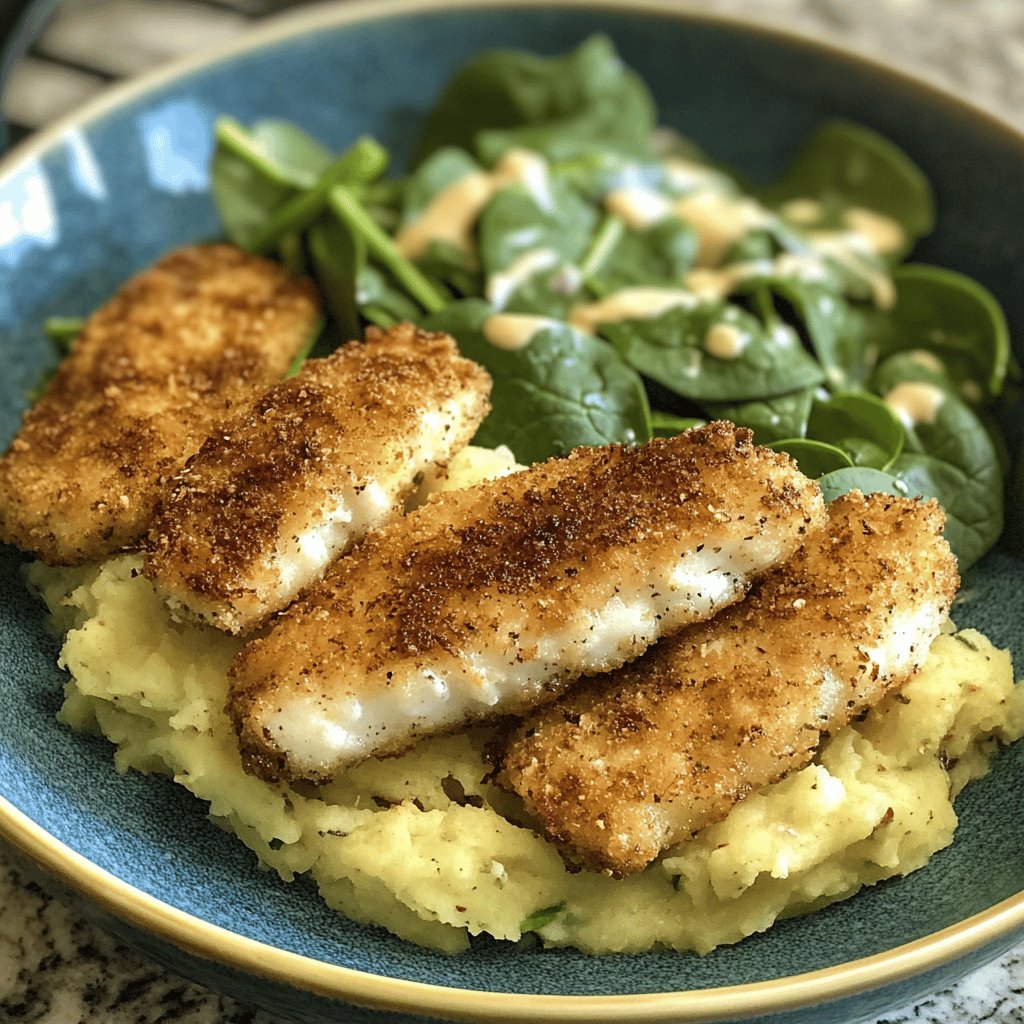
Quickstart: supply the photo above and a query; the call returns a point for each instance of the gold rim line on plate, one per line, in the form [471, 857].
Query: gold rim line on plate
[212, 943]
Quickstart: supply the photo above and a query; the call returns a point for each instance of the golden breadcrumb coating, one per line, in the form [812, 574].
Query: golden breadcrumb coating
[292, 482]
[624, 766]
[493, 599]
[148, 377]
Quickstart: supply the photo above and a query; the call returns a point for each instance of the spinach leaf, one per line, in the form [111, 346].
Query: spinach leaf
[658, 255]
[771, 419]
[273, 181]
[668, 424]
[815, 458]
[539, 918]
[955, 318]
[916, 365]
[454, 266]
[562, 390]
[255, 171]
[443, 169]
[360, 164]
[922, 367]
[339, 261]
[952, 458]
[596, 173]
[861, 425]
[549, 292]
[278, 149]
[246, 198]
[671, 349]
[382, 300]
[863, 479]
[519, 228]
[346, 206]
[846, 165]
[516, 221]
[834, 329]
[583, 101]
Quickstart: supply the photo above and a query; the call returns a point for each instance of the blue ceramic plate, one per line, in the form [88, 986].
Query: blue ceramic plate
[100, 196]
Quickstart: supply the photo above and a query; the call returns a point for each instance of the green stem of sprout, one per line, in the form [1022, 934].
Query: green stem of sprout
[62, 330]
[608, 235]
[348, 209]
[360, 164]
[233, 137]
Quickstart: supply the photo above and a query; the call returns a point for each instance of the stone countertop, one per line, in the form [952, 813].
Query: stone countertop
[56, 968]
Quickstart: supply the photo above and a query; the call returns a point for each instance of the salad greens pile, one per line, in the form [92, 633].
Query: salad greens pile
[820, 327]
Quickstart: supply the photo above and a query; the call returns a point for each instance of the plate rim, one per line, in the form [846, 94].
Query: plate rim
[329, 14]
[213, 943]
[198, 938]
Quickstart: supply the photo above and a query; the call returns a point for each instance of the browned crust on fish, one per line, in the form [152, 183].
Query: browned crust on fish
[623, 766]
[279, 467]
[484, 569]
[148, 377]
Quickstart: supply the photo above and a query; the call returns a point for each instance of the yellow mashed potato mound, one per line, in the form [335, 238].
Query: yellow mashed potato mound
[425, 846]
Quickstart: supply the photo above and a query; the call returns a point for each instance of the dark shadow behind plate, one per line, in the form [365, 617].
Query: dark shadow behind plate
[107, 196]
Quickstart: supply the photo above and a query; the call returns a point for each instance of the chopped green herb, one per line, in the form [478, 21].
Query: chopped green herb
[540, 918]
[62, 330]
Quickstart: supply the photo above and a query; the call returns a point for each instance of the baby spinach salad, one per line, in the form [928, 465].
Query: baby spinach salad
[618, 284]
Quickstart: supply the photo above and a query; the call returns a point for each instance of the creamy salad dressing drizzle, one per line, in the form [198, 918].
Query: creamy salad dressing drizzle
[512, 331]
[724, 341]
[854, 251]
[719, 282]
[629, 304]
[805, 212]
[719, 216]
[504, 284]
[639, 208]
[885, 236]
[915, 402]
[865, 234]
[716, 283]
[927, 360]
[452, 214]
[800, 266]
[720, 221]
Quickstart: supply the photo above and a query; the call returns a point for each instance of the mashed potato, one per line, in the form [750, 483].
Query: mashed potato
[424, 845]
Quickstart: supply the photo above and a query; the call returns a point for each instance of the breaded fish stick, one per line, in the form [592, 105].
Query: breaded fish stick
[147, 379]
[622, 767]
[290, 484]
[493, 599]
